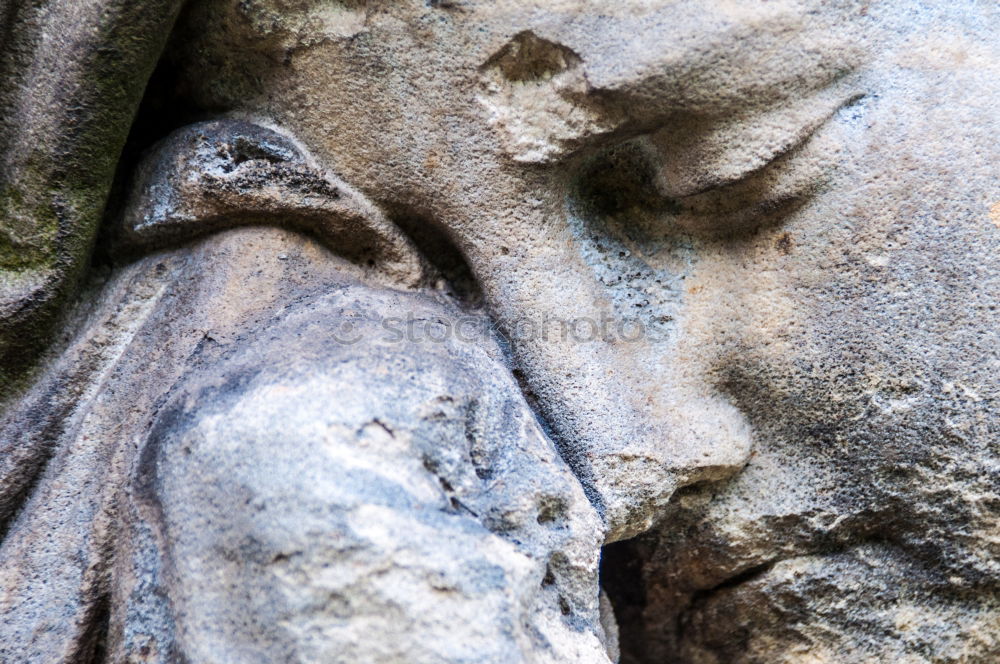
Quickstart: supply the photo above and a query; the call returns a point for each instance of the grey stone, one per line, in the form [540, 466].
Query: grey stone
[459, 331]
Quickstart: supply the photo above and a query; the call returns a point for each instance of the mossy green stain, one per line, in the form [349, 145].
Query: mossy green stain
[51, 204]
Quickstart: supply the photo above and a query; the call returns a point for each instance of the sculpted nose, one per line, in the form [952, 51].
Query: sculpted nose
[634, 417]
[698, 437]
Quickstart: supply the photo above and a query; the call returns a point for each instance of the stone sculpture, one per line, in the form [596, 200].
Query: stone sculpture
[352, 330]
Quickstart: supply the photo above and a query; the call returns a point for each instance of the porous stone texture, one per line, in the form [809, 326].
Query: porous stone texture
[71, 77]
[213, 175]
[542, 331]
[292, 477]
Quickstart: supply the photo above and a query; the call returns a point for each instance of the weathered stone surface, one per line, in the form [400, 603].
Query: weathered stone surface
[211, 175]
[71, 78]
[402, 310]
[299, 477]
[383, 500]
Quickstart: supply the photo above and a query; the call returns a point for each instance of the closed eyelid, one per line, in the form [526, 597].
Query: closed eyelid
[762, 183]
[704, 154]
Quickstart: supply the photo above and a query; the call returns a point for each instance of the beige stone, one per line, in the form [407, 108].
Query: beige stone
[412, 324]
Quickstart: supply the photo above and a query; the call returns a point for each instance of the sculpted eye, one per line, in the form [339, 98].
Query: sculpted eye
[616, 198]
[719, 176]
[702, 152]
[622, 179]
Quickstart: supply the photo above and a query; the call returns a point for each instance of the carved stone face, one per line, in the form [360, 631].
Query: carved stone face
[795, 202]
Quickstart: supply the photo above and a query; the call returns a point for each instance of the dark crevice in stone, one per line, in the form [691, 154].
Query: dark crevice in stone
[165, 107]
[618, 180]
[622, 579]
[93, 649]
[439, 249]
[571, 455]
